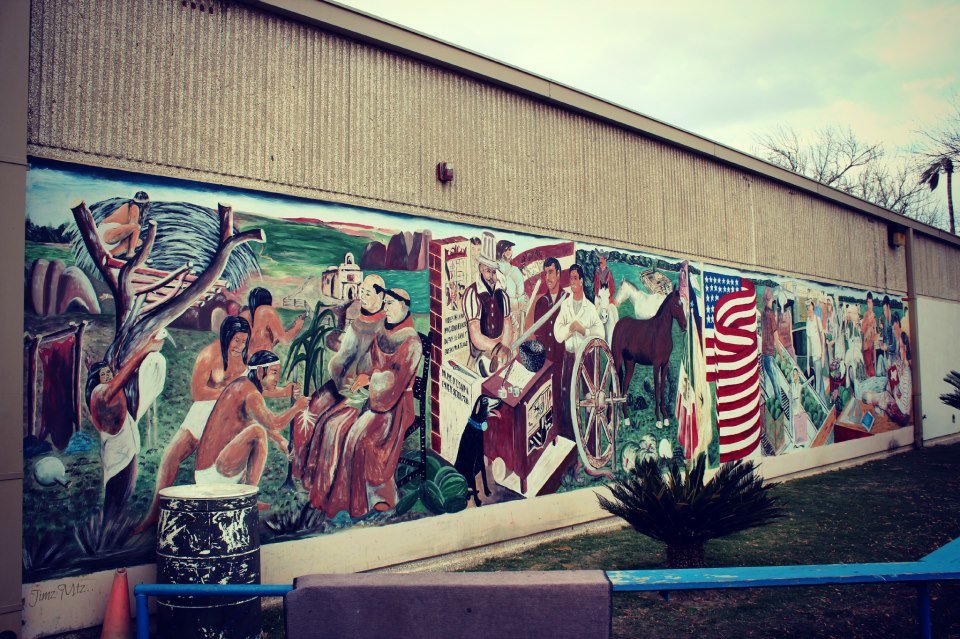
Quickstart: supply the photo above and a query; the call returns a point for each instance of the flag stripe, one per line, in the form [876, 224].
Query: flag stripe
[732, 353]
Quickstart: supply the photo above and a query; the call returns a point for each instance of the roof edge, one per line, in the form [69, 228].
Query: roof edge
[381, 33]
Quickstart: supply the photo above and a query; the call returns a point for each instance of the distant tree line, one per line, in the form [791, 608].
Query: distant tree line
[48, 234]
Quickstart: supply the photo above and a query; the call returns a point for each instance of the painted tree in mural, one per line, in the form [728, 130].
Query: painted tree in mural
[138, 320]
[144, 309]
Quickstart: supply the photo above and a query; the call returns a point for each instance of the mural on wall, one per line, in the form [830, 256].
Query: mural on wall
[364, 368]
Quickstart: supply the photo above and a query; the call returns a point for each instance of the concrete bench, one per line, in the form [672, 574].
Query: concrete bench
[559, 604]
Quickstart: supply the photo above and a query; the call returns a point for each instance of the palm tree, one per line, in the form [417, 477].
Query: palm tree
[931, 177]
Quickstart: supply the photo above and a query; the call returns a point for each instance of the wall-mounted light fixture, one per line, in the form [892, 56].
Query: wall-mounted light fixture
[896, 236]
[445, 172]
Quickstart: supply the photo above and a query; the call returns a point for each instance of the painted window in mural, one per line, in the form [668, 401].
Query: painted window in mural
[364, 368]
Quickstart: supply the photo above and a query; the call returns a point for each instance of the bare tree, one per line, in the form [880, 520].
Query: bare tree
[894, 186]
[838, 158]
[831, 158]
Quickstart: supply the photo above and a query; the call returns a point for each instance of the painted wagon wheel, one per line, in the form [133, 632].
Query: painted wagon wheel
[595, 406]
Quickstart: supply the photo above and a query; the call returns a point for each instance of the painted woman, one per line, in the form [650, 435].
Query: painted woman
[217, 364]
[266, 328]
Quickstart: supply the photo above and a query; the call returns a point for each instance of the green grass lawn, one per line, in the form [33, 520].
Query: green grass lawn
[897, 509]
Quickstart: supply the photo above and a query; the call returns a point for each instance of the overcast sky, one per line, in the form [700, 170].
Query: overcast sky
[724, 70]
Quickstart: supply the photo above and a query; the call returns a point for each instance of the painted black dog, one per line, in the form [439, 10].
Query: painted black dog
[470, 454]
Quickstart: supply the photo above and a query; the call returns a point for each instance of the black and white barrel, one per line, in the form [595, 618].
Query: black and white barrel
[207, 534]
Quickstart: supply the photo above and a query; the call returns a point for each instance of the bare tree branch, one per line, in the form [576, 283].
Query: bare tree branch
[98, 252]
[158, 284]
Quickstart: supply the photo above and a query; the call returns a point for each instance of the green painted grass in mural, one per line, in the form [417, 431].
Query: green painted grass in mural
[300, 250]
[37, 250]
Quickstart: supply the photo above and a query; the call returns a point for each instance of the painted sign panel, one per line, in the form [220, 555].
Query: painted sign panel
[364, 368]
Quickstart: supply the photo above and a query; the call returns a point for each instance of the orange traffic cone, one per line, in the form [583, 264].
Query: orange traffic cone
[116, 621]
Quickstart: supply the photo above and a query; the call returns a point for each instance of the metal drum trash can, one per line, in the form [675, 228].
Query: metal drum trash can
[208, 534]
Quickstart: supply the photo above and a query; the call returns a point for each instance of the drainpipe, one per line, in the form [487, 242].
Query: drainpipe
[918, 415]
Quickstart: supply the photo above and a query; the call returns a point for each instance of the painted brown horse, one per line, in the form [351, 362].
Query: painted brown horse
[649, 342]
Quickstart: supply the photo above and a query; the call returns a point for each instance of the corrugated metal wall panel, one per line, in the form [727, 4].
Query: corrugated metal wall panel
[602, 174]
[937, 272]
[896, 264]
[249, 95]
[735, 213]
[442, 116]
[612, 170]
[772, 206]
[678, 236]
[560, 143]
[384, 132]
[644, 192]
[535, 162]
[705, 204]
[830, 243]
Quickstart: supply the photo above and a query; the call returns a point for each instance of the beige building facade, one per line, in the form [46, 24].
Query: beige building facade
[314, 100]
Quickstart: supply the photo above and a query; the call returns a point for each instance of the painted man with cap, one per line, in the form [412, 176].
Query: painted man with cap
[359, 458]
[120, 231]
[486, 307]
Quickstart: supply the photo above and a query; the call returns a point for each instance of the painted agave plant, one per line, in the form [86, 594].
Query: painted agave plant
[309, 349]
[686, 512]
[442, 490]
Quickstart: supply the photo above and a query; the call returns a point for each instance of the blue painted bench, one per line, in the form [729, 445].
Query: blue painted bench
[942, 564]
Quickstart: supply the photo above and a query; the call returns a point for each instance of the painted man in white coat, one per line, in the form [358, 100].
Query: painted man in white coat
[577, 322]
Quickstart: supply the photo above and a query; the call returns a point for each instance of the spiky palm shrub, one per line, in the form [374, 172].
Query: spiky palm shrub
[952, 398]
[686, 513]
[294, 516]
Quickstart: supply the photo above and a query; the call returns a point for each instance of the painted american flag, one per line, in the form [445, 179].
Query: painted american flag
[732, 351]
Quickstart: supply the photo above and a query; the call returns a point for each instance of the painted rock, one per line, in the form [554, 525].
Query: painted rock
[49, 471]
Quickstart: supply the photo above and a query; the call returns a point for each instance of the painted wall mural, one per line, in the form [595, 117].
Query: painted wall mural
[364, 368]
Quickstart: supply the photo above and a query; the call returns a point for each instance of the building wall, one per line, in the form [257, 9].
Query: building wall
[82, 518]
[936, 269]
